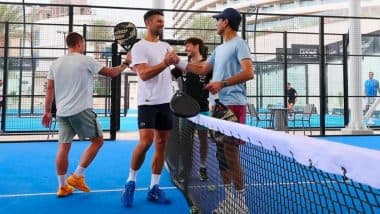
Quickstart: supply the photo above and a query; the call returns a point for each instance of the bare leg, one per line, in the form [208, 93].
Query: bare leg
[91, 151]
[146, 139]
[290, 106]
[161, 138]
[235, 169]
[203, 147]
[225, 165]
[62, 158]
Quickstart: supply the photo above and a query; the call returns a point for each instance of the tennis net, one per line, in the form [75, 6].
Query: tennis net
[281, 173]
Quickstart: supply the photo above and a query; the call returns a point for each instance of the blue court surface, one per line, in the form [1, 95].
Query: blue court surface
[28, 181]
[369, 142]
[128, 122]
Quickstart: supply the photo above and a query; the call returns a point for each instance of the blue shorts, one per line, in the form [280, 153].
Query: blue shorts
[84, 124]
[155, 117]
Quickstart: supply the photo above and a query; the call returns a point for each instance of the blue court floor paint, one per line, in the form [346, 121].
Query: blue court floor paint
[28, 181]
[369, 142]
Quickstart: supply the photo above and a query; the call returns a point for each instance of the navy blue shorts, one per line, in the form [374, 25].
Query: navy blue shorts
[155, 117]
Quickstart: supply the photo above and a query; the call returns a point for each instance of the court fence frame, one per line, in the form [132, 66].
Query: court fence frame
[312, 45]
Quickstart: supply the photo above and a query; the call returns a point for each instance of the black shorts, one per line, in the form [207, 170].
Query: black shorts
[292, 101]
[155, 117]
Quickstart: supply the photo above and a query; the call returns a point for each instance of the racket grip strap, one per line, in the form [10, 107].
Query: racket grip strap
[182, 65]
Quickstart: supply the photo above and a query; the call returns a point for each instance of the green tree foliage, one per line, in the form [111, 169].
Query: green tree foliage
[11, 13]
[100, 30]
[203, 27]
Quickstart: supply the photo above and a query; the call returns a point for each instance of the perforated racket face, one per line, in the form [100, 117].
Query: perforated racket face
[125, 34]
[183, 105]
[222, 112]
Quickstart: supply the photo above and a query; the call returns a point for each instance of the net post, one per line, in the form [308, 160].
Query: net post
[115, 95]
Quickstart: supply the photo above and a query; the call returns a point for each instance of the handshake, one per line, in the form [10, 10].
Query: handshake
[171, 58]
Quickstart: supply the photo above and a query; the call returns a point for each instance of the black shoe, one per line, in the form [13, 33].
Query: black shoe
[203, 174]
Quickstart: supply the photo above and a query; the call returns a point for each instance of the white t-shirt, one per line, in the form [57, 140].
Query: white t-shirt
[157, 90]
[73, 76]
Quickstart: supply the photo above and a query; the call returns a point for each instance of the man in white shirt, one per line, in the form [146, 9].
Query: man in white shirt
[151, 60]
[70, 81]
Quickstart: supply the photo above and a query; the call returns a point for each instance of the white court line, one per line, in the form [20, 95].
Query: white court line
[92, 191]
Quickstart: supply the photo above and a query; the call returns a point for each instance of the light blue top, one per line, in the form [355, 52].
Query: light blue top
[226, 63]
[73, 76]
[371, 87]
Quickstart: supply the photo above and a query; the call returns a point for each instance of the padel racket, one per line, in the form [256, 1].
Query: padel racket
[125, 34]
[183, 105]
[221, 111]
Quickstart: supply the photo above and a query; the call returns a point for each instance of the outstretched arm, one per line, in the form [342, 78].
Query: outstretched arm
[47, 117]
[115, 71]
[197, 68]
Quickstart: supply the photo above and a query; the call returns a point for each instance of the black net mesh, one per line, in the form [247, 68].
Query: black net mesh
[273, 182]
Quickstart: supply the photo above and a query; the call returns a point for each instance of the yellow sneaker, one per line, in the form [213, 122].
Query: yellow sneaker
[78, 182]
[65, 191]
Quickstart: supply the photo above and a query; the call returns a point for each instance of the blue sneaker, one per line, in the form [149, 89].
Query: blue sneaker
[128, 193]
[158, 196]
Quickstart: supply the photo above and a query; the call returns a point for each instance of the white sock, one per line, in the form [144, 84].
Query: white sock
[155, 180]
[132, 175]
[202, 165]
[61, 180]
[79, 171]
[228, 192]
[241, 198]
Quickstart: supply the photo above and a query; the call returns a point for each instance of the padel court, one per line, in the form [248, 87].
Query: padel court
[28, 182]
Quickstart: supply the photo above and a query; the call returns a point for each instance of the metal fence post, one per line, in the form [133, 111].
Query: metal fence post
[322, 76]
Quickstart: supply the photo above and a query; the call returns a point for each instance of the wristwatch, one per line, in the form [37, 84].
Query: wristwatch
[225, 84]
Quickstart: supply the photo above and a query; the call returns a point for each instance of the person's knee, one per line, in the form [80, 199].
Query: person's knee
[97, 141]
[143, 146]
[161, 140]
[160, 144]
[63, 150]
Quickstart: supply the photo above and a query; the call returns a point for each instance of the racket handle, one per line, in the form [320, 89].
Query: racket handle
[216, 96]
[175, 86]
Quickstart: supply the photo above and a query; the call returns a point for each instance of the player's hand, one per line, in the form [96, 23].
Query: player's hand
[128, 58]
[46, 120]
[214, 87]
[171, 58]
[174, 58]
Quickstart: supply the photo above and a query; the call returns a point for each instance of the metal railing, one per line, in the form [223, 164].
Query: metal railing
[308, 51]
